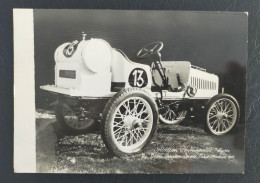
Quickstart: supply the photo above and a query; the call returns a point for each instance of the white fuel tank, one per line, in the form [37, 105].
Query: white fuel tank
[96, 54]
[84, 67]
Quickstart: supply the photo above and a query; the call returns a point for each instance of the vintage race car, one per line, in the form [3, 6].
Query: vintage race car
[98, 84]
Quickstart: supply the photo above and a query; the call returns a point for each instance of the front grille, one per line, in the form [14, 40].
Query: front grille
[67, 74]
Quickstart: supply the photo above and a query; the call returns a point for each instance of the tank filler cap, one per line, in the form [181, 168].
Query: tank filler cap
[84, 35]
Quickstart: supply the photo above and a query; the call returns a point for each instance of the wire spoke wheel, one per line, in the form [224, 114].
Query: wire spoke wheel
[171, 115]
[129, 121]
[222, 115]
[74, 120]
[132, 123]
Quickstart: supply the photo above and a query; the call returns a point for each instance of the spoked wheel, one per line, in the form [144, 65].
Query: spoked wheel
[74, 120]
[222, 114]
[129, 121]
[168, 116]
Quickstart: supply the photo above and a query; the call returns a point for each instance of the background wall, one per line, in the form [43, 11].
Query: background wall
[212, 40]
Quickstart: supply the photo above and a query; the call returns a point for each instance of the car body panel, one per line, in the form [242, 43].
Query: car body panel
[91, 68]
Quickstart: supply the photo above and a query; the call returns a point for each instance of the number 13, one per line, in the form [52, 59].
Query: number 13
[138, 80]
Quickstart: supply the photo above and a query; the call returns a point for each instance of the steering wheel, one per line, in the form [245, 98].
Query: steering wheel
[150, 49]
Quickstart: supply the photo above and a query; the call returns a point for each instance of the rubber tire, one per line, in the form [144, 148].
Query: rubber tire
[214, 99]
[108, 117]
[93, 126]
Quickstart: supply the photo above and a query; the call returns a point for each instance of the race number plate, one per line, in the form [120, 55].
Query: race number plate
[70, 49]
[138, 78]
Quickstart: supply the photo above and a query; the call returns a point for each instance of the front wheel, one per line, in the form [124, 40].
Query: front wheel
[222, 114]
[129, 121]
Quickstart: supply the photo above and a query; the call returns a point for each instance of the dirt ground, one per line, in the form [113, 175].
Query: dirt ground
[183, 148]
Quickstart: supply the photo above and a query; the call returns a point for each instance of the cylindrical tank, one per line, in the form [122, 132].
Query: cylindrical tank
[95, 54]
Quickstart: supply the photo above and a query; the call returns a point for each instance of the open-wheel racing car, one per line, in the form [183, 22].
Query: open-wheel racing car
[97, 84]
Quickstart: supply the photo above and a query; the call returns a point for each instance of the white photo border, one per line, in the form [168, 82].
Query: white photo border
[24, 92]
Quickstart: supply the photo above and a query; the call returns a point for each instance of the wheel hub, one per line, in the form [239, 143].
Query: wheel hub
[131, 122]
[221, 115]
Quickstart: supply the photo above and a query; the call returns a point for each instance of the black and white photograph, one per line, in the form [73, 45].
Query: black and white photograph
[138, 91]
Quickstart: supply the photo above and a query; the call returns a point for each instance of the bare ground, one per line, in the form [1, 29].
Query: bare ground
[184, 148]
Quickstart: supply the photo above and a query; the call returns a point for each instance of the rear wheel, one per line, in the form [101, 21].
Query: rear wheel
[172, 113]
[168, 116]
[73, 119]
[129, 121]
[222, 114]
